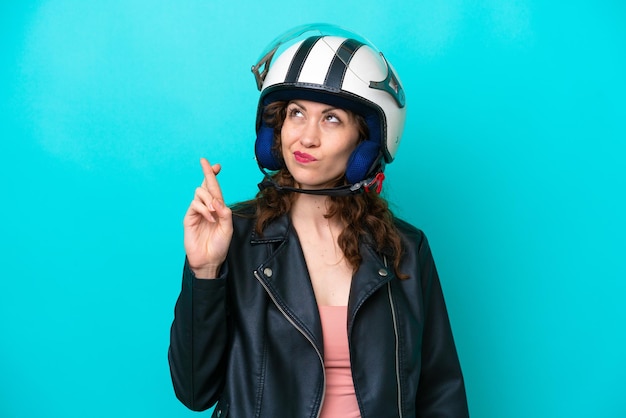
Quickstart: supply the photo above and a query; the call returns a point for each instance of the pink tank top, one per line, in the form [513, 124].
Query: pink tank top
[340, 399]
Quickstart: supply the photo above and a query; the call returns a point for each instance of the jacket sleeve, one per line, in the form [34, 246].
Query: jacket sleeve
[198, 340]
[441, 390]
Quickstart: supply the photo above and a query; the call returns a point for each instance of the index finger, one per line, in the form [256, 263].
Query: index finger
[210, 180]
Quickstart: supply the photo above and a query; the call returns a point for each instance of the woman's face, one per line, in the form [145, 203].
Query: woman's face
[316, 141]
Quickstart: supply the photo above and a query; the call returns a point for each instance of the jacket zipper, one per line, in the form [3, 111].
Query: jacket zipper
[395, 330]
[319, 355]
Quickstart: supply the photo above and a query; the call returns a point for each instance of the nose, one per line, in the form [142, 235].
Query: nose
[310, 135]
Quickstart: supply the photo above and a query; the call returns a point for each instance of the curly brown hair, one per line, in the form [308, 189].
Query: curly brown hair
[366, 215]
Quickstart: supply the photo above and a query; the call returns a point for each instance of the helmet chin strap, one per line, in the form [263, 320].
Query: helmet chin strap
[363, 185]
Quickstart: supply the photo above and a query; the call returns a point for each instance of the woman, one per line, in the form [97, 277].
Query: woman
[313, 300]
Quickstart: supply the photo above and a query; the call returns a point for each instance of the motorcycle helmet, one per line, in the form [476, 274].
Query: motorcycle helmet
[327, 64]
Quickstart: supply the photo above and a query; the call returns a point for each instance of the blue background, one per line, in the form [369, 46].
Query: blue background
[512, 162]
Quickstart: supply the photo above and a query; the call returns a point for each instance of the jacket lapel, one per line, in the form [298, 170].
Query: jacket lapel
[371, 276]
[285, 277]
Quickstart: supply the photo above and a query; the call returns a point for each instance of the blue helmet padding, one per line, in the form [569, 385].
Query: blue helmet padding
[263, 149]
[361, 161]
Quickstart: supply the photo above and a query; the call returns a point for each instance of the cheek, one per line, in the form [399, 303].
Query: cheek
[347, 154]
[286, 133]
[342, 155]
[352, 144]
[283, 139]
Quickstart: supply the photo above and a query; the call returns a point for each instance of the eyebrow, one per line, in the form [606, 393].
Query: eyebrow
[326, 110]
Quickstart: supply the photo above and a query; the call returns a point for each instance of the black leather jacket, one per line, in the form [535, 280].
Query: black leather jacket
[251, 339]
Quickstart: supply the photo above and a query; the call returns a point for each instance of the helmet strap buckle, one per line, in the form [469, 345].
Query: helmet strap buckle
[376, 181]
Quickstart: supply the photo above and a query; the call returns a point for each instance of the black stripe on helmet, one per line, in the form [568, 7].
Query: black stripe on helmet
[339, 64]
[300, 58]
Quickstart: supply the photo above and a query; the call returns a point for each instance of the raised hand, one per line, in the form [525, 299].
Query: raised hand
[208, 225]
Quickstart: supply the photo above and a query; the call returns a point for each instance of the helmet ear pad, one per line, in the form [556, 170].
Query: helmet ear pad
[265, 156]
[362, 160]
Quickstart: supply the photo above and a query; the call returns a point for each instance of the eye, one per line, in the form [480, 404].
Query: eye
[294, 112]
[332, 118]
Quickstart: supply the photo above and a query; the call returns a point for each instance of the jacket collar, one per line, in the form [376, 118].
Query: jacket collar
[275, 232]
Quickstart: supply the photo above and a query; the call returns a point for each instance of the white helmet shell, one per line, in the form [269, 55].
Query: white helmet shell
[328, 64]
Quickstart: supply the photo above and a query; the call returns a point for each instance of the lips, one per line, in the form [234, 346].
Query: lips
[303, 157]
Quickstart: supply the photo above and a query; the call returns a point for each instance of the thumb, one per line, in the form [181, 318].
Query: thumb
[222, 211]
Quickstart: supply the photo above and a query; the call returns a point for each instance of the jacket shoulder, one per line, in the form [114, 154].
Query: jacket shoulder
[244, 209]
[244, 220]
[410, 232]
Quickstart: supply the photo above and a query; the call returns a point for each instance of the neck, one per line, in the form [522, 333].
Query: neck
[310, 208]
[308, 218]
